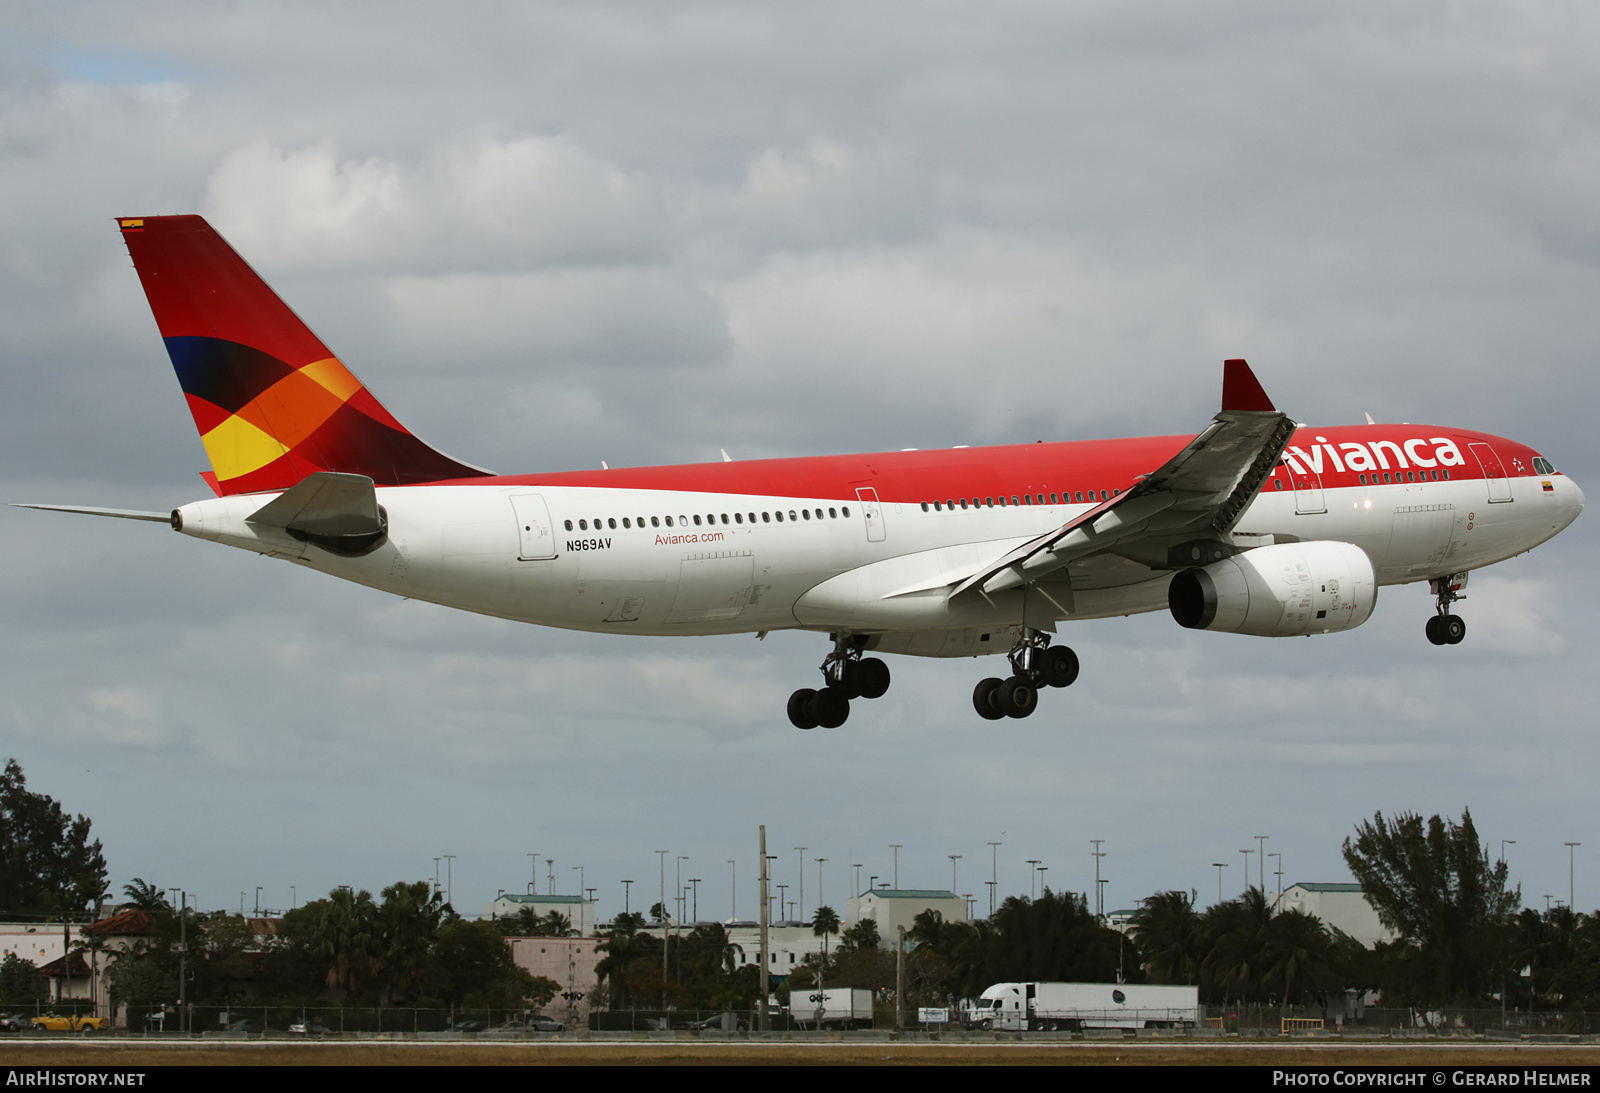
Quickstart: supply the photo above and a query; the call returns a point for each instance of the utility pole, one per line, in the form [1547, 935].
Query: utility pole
[900, 980]
[763, 1019]
[994, 874]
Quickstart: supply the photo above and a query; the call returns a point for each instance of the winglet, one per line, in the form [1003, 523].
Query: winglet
[1241, 390]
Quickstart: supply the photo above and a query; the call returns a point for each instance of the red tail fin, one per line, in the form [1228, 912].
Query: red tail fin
[271, 403]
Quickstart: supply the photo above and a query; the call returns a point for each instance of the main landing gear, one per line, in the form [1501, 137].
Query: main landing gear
[1445, 628]
[1035, 663]
[846, 675]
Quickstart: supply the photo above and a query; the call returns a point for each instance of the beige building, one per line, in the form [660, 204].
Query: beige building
[571, 962]
[893, 908]
[1342, 906]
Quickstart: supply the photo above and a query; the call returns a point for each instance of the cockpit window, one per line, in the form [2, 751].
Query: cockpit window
[1543, 465]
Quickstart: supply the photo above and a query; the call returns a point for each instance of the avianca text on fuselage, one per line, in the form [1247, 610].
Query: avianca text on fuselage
[1254, 525]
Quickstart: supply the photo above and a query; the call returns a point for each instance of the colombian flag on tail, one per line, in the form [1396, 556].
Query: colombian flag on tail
[272, 404]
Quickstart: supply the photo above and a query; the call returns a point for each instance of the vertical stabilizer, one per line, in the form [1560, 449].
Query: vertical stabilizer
[272, 404]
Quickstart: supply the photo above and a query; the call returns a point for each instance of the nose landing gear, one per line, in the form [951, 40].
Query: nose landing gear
[846, 675]
[1035, 663]
[1445, 628]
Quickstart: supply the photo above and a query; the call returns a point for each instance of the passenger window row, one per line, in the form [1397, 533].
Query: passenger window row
[710, 519]
[1075, 498]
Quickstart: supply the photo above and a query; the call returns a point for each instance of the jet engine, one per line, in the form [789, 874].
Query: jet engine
[1279, 591]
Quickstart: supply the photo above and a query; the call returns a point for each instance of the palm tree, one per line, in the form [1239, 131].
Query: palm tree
[146, 896]
[823, 923]
[408, 925]
[1167, 930]
[1295, 947]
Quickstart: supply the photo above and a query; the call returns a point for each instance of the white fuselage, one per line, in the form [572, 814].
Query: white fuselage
[727, 565]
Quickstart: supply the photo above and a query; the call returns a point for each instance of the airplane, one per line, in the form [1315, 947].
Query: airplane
[1257, 525]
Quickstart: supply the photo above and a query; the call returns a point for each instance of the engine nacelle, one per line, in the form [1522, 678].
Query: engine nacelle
[1280, 591]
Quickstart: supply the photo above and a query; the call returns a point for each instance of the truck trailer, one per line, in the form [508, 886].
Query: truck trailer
[1045, 1007]
[840, 1007]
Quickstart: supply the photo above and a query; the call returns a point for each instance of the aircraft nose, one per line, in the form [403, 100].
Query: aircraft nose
[1577, 500]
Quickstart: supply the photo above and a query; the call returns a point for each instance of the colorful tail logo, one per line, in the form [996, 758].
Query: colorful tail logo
[271, 403]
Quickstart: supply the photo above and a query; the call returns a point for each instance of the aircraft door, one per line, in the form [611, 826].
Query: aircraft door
[872, 512]
[1494, 473]
[536, 536]
[1307, 490]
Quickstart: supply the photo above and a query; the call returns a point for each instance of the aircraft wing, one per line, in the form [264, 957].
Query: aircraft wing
[1191, 501]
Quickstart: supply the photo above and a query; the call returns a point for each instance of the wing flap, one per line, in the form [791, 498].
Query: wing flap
[1199, 493]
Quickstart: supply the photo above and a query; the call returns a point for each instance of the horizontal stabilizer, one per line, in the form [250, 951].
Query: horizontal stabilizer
[120, 514]
[324, 504]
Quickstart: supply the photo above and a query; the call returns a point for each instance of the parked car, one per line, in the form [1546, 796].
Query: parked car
[15, 1022]
[546, 1024]
[71, 1022]
[312, 1027]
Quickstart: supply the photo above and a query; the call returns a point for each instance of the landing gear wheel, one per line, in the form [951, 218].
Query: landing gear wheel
[1452, 628]
[829, 707]
[871, 677]
[1058, 666]
[1017, 697]
[983, 699]
[799, 709]
[1432, 630]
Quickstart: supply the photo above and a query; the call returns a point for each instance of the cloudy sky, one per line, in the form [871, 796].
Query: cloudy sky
[548, 235]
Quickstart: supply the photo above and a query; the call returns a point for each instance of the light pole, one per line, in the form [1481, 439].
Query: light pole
[533, 874]
[627, 907]
[994, 874]
[1221, 865]
[550, 876]
[449, 881]
[1261, 862]
[953, 859]
[896, 848]
[856, 891]
[1278, 872]
[1503, 844]
[1033, 873]
[1247, 854]
[802, 851]
[1572, 903]
[733, 890]
[1099, 909]
[819, 880]
[695, 911]
[783, 895]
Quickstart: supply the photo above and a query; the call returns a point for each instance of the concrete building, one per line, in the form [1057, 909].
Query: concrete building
[575, 909]
[571, 962]
[893, 908]
[1342, 906]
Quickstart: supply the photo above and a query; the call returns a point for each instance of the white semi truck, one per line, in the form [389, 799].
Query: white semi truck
[1072, 1006]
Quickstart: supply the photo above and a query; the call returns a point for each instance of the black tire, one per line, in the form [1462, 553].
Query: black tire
[1058, 666]
[1453, 627]
[983, 699]
[800, 709]
[1017, 697]
[849, 681]
[1433, 631]
[872, 677]
[829, 707]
